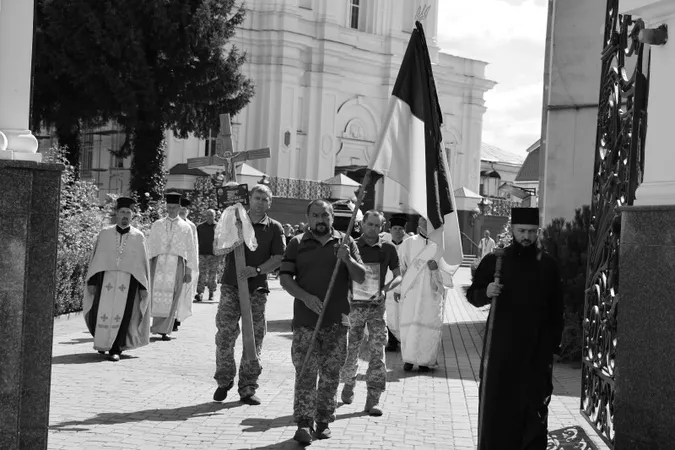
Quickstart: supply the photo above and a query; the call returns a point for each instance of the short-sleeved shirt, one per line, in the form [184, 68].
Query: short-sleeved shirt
[312, 265]
[270, 237]
[377, 259]
[205, 235]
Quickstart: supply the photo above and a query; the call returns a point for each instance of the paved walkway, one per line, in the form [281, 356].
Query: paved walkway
[159, 396]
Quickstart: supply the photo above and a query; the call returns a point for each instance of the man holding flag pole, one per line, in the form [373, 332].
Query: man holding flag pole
[409, 152]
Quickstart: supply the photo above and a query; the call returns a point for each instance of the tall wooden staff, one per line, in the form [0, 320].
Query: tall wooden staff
[345, 240]
[499, 252]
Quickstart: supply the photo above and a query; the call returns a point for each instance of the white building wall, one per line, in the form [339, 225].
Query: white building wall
[328, 85]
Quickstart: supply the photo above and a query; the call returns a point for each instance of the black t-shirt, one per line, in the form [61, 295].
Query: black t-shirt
[312, 265]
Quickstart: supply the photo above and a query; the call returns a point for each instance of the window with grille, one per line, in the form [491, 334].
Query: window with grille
[87, 153]
[210, 145]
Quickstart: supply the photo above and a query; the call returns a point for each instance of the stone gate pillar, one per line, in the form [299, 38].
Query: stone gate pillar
[645, 393]
[29, 218]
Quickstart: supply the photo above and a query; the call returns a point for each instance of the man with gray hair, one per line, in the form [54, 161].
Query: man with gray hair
[269, 235]
[208, 261]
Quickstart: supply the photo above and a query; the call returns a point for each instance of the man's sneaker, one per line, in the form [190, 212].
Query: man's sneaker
[250, 399]
[221, 392]
[198, 298]
[348, 394]
[303, 435]
[322, 431]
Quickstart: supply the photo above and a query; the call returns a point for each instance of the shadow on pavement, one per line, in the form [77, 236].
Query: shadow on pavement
[78, 341]
[258, 425]
[155, 415]
[85, 358]
[287, 444]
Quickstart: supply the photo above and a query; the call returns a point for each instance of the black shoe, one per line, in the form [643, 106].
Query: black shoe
[425, 369]
[198, 298]
[176, 324]
[101, 352]
[221, 392]
[303, 435]
[166, 338]
[250, 399]
[407, 367]
[322, 431]
[114, 357]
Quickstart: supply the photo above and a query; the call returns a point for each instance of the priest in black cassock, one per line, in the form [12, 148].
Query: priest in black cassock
[517, 364]
[116, 303]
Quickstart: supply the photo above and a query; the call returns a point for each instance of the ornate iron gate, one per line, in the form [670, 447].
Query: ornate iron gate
[618, 168]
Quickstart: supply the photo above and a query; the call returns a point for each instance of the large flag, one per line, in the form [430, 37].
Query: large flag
[409, 149]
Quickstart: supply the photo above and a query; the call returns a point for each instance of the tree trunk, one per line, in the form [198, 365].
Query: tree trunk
[147, 166]
[69, 137]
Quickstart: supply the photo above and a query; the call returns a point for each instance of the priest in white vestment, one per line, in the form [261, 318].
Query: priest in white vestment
[116, 304]
[173, 258]
[189, 289]
[423, 292]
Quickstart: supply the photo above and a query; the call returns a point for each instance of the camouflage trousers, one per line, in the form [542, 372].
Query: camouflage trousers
[227, 321]
[330, 349]
[208, 273]
[372, 316]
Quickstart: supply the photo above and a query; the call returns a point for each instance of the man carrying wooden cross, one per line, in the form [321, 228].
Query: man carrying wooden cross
[266, 258]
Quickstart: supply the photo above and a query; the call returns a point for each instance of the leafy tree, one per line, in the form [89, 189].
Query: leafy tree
[150, 66]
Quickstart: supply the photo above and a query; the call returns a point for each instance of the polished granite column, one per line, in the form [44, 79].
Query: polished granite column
[645, 360]
[29, 221]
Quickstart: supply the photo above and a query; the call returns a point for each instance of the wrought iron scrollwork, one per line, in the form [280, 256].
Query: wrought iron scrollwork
[618, 169]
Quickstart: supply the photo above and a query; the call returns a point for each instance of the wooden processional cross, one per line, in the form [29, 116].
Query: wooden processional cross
[226, 156]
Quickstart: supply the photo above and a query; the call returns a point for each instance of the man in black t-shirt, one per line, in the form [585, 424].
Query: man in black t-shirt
[305, 273]
[265, 259]
[208, 261]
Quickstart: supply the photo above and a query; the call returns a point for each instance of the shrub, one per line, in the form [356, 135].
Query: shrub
[80, 219]
[567, 242]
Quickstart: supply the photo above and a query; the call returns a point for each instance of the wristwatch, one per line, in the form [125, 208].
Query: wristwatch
[257, 269]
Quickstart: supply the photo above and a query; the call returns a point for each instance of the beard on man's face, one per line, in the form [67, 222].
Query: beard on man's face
[320, 229]
[529, 249]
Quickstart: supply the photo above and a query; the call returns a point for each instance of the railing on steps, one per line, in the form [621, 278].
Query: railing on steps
[473, 244]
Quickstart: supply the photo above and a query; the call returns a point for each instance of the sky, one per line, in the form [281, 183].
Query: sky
[510, 35]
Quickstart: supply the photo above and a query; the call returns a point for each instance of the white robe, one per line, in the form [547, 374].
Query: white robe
[189, 290]
[423, 294]
[392, 306]
[169, 245]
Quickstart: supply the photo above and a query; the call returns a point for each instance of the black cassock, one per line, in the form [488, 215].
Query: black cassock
[515, 390]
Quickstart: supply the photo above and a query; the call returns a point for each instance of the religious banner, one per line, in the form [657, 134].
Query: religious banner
[231, 195]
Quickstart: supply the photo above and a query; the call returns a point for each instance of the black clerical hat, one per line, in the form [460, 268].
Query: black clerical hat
[125, 202]
[525, 216]
[173, 197]
[398, 220]
[185, 202]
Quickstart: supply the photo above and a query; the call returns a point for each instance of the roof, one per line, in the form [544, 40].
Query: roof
[534, 146]
[495, 154]
[464, 192]
[341, 180]
[529, 171]
[182, 169]
[245, 169]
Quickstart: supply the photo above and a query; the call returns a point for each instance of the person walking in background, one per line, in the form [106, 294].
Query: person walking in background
[173, 258]
[269, 235]
[116, 305]
[486, 245]
[185, 308]
[516, 370]
[208, 261]
[423, 292]
[305, 274]
[368, 309]
[396, 236]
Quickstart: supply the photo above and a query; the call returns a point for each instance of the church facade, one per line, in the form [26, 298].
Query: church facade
[323, 74]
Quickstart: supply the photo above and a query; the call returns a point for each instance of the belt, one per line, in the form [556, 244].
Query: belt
[368, 303]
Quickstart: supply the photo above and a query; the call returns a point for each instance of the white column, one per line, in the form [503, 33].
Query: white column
[658, 185]
[16, 44]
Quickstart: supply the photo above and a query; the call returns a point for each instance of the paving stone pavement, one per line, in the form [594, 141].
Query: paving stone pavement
[160, 396]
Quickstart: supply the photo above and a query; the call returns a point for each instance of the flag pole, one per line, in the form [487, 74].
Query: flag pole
[345, 240]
